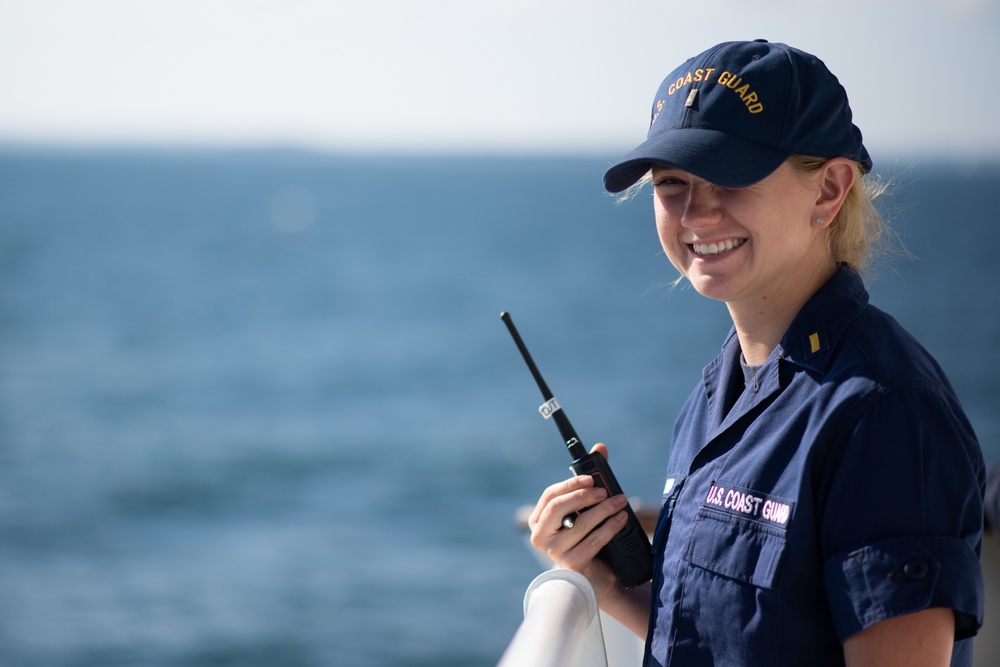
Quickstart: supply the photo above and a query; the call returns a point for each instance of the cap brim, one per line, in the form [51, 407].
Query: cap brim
[719, 158]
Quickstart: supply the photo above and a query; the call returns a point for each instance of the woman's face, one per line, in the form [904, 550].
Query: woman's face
[743, 245]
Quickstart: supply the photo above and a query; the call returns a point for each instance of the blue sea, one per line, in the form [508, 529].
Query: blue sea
[257, 407]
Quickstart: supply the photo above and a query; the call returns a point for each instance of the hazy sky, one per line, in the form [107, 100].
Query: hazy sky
[469, 75]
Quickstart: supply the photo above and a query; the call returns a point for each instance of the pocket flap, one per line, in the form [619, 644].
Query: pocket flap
[744, 550]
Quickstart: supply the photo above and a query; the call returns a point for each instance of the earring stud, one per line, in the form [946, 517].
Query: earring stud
[820, 221]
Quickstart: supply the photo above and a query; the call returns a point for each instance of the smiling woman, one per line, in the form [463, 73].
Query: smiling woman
[805, 421]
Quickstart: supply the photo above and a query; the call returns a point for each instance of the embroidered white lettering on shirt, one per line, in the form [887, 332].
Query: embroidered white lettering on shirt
[777, 512]
[734, 500]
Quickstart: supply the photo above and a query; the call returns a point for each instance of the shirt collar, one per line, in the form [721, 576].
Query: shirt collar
[817, 329]
[808, 343]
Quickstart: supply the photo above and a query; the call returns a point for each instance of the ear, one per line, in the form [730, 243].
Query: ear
[836, 177]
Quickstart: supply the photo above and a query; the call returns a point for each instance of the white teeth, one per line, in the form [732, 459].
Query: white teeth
[717, 248]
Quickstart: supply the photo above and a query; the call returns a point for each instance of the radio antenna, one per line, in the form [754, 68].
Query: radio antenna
[551, 407]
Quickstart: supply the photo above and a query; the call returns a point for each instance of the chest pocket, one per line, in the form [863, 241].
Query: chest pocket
[738, 548]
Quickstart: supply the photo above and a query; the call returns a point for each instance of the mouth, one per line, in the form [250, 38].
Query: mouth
[715, 248]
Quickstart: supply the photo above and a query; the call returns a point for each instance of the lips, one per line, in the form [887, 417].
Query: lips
[715, 248]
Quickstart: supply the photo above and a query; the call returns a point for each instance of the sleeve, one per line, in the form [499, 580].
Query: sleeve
[903, 519]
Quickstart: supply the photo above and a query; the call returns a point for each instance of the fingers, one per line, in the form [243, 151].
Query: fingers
[587, 540]
[596, 519]
[566, 497]
[592, 529]
[600, 447]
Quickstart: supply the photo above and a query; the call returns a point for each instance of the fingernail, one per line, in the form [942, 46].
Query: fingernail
[600, 493]
[621, 500]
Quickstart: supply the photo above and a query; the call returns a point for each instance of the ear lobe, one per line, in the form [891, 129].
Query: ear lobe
[836, 178]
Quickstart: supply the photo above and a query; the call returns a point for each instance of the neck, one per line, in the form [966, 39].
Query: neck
[761, 323]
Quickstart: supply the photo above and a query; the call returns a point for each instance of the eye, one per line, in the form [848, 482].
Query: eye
[667, 184]
[667, 180]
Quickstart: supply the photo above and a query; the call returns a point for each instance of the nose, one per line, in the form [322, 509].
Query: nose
[701, 208]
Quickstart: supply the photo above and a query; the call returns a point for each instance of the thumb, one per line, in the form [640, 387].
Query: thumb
[600, 447]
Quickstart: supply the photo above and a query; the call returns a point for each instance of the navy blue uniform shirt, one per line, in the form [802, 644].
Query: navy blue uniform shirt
[840, 488]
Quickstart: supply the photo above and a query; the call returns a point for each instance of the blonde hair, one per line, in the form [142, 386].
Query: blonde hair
[859, 235]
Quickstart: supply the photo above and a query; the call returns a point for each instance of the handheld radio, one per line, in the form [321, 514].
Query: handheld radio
[628, 553]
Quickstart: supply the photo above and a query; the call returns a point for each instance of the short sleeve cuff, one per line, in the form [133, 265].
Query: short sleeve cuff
[904, 575]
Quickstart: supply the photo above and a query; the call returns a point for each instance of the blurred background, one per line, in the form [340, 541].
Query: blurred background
[257, 406]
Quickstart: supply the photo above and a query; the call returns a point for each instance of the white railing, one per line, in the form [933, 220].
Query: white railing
[561, 626]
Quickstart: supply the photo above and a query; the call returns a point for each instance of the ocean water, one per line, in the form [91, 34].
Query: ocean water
[258, 407]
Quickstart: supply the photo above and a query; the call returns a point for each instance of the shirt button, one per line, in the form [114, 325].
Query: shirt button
[916, 568]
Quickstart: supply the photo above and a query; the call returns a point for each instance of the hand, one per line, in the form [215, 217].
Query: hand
[576, 548]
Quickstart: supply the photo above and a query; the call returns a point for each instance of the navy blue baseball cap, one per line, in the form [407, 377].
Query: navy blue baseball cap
[734, 113]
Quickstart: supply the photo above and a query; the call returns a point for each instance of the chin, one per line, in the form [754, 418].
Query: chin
[710, 287]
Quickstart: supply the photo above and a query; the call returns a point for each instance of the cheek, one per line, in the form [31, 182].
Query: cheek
[664, 225]
[672, 246]
[663, 230]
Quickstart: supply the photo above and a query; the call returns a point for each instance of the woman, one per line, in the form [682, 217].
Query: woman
[823, 496]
